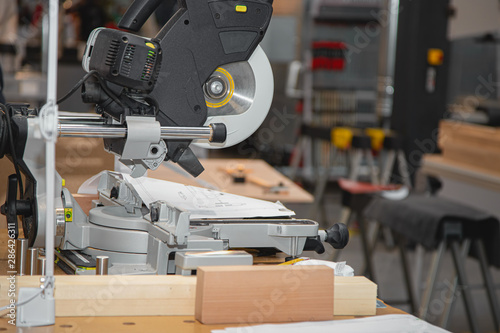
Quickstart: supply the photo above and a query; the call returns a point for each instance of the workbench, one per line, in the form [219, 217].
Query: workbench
[184, 324]
[465, 183]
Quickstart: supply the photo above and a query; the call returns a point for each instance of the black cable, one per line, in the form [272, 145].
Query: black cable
[107, 90]
[78, 85]
[101, 81]
[12, 149]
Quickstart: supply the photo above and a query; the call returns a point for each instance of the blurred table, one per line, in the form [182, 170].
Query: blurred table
[464, 183]
[216, 178]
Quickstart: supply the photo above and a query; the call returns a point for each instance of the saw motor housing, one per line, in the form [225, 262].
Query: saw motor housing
[156, 89]
[166, 77]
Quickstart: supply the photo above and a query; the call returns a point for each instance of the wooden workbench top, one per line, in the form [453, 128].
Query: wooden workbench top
[216, 178]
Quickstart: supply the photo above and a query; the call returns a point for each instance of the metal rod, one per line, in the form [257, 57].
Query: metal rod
[464, 285]
[117, 132]
[49, 128]
[102, 265]
[431, 280]
[41, 266]
[488, 281]
[445, 317]
[87, 118]
[387, 62]
[32, 267]
[21, 253]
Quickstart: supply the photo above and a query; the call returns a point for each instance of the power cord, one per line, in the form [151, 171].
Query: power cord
[78, 85]
[101, 81]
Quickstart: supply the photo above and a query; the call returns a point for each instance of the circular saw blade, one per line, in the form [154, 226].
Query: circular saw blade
[245, 101]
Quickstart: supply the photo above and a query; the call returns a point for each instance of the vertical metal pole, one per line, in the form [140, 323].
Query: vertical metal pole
[42, 262]
[387, 62]
[102, 265]
[21, 253]
[50, 133]
[48, 128]
[407, 274]
[453, 290]
[431, 280]
[488, 281]
[32, 261]
[462, 282]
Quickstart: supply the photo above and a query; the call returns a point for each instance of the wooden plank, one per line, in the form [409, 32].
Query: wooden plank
[257, 294]
[448, 130]
[168, 295]
[124, 307]
[474, 145]
[482, 158]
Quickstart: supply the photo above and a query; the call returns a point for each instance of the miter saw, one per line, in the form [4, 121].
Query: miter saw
[203, 80]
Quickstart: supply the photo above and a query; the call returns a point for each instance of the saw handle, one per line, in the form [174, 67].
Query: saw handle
[138, 13]
[337, 236]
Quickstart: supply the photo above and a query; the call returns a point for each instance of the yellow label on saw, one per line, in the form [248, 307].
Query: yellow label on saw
[241, 9]
[68, 214]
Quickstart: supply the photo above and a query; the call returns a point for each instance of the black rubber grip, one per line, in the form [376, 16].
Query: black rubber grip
[337, 236]
[138, 13]
[219, 133]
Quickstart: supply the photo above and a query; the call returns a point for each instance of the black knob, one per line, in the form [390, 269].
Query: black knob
[219, 133]
[337, 236]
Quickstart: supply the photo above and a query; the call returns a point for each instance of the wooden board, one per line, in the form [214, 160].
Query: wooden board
[165, 295]
[474, 145]
[263, 294]
[214, 177]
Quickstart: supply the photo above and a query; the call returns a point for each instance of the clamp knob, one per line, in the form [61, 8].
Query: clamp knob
[337, 236]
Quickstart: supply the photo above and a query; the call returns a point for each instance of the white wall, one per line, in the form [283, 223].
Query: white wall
[474, 17]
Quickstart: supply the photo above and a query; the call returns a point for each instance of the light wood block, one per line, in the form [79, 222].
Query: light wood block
[264, 294]
[170, 295]
[116, 295]
[354, 296]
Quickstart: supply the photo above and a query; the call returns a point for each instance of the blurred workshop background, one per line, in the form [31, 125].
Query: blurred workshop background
[371, 97]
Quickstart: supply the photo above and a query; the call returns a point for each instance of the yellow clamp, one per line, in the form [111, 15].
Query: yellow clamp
[342, 137]
[377, 136]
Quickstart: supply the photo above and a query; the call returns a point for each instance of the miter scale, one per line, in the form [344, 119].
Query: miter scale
[203, 80]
